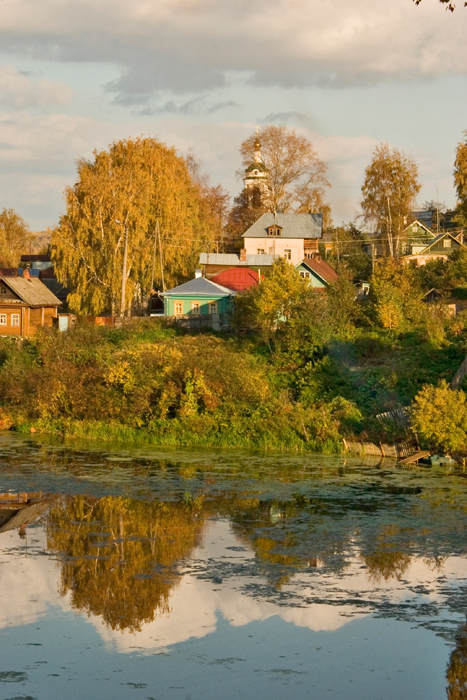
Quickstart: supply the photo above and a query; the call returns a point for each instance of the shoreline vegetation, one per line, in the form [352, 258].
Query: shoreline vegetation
[306, 383]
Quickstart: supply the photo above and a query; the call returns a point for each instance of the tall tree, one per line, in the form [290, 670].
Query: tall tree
[15, 238]
[389, 194]
[296, 176]
[104, 246]
[460, 179]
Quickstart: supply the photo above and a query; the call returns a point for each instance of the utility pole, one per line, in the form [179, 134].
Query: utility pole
[151, 289]
[158, 231]
[372, 258]
[125, 259]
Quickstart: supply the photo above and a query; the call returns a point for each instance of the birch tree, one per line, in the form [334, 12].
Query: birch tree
[15, 238]
[389, 194]
[460, 179]
[296, 176]
[119, 198]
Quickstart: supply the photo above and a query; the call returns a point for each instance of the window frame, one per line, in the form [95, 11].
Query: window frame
[213, 307]
[177, 304]
[195, 308]
[14, 318]
[3, 322]
[288, 254]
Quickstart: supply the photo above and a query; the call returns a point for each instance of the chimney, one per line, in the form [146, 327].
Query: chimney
[26, 274]
[198, 273]
[243, 255]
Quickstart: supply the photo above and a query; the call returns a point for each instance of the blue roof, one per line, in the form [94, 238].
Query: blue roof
[200, 286]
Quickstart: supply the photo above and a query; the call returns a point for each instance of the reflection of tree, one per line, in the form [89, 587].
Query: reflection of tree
[119, 555]
[386, 565]
[457, 669]
[285, 536]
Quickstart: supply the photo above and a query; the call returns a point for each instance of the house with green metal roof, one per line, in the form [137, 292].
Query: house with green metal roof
[198, 297]
[440, 247]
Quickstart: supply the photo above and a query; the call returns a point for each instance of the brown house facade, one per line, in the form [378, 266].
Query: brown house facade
[25, 305]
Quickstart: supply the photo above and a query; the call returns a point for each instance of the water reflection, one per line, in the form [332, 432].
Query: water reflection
[119, 556]
[157, 552]
[457, 669]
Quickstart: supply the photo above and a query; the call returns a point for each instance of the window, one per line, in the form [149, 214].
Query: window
[213, 307]
[2, 290]
[260, 251]
[447, 243]
[178, 308]
[305, 274]
[274, 231]
[2, 319]
[15, 319]
[288, 254]
[195, 308]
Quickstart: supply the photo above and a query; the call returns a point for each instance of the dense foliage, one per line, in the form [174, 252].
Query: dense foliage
[302, 369]
[126, 193]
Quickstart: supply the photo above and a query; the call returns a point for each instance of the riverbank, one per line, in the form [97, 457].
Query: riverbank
[147, 383]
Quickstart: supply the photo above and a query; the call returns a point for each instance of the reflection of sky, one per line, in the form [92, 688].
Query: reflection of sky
[30, 583]
[217, 641]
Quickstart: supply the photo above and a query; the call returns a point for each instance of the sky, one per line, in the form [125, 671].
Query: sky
[200, 75]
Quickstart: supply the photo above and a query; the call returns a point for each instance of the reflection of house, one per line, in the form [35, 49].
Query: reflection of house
[291, 236]
[439, 248]
[198, 297]
[25, 304]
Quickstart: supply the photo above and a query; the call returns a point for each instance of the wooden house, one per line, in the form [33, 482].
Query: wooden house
[25, 305]
[439, 248]
[317, 272]
[198, 297]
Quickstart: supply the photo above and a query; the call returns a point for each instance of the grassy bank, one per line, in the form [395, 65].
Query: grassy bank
[146, 383]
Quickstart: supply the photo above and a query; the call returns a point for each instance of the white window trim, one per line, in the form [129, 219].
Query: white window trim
[2, 319]
[211, 305]
[176, 303]
[15, 320]
[195, 308]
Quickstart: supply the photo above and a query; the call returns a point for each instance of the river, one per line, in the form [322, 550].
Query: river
[159, 573]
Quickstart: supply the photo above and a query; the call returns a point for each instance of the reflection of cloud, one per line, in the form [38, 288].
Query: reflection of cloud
[18, 91]
[29, 583]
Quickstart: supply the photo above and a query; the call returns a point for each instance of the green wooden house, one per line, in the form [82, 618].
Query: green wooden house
[318, 273]
[443, 244]
[198, 297]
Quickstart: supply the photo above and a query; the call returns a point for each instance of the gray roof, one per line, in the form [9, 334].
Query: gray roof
[293, 226]
[200, 286]
[31, 291]
[233, 260]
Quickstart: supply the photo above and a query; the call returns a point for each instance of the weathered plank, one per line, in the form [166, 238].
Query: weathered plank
[415, 457]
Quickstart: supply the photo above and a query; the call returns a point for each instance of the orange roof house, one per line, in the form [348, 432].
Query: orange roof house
[25, 305]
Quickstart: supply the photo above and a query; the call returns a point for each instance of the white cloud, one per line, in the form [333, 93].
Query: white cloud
[188, 45]
[18, 91]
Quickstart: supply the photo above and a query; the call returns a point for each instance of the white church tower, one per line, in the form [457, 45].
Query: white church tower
[256, 174]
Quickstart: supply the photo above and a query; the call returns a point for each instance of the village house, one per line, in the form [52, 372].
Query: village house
[25, 305]
[291, 236]
[198, 298]
[439, 248]
[318, 273]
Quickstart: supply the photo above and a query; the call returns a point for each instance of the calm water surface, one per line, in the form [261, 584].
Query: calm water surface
[152, 573]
